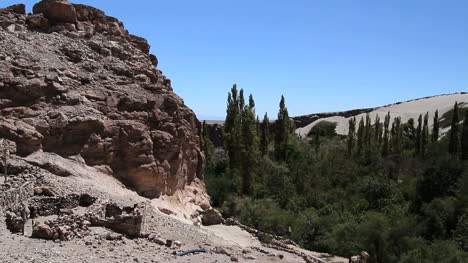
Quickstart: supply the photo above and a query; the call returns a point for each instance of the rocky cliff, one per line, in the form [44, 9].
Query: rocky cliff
[74, 84]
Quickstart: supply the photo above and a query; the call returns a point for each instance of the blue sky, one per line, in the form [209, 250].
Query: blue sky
[326, 55]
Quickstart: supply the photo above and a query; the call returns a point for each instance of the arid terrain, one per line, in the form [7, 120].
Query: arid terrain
[102, 160]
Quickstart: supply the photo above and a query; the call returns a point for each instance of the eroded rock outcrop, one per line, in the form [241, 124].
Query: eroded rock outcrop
[75, 84]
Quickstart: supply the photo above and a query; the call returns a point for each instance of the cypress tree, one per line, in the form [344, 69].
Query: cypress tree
[419, 135]
[251, 104]
[265, 135]
[464, 139]
[249, 143]
[232, 128]
[351, 135]
[386, 135]
[435, 127]
[368, 133]
[425, 135]
[360, 136]
[207, 146]
[410, 131]
[282, 131]
[454, 131]
[397, 134]
[378, 132]
[241, 101]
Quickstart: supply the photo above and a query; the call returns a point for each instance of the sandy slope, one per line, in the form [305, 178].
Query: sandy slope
[406, 110]
[237, 243]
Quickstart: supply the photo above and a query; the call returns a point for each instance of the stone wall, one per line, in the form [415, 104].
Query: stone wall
[12, 198]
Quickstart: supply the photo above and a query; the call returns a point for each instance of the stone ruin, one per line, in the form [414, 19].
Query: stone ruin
[126, 221]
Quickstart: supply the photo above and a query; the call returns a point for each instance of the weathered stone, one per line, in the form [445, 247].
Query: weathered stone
[159, 241]
[124, 220]
[212, 217]
[221, 250]
[176, 244]
[42, 231]
[113, 236]
[18, 9]
[56, 10]
[37, 21]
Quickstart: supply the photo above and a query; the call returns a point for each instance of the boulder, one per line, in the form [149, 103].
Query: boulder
[42, 231]
[159, 241]
[56, 10]
[37, 21]
[113, 236]
[212, 217]
[18, 9]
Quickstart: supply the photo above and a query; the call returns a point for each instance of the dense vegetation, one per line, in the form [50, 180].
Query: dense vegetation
[396, 191]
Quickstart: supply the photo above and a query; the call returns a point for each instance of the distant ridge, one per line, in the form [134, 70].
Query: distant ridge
[405, 109]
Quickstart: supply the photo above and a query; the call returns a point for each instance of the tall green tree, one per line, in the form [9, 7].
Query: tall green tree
[385, 147]
[241, 101]
[419, 135]
[360, 136]
[232, 127]
[368, 132]
[265, 135]
[410, 130]
[464, 139]
[435, 127]
[454, 139]
[378, 131]
[282, 131]
[351, 135]
[249, 147]
[397, 135]
[251, 103]
[425, 135]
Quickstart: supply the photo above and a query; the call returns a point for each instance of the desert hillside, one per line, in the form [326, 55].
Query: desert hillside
[405, 110]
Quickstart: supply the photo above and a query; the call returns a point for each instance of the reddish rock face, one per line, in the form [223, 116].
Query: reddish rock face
[91, 89]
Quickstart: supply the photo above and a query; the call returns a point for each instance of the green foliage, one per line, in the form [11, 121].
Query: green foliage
[445, 120]
[440, 176]
[282, 131]
[378, 132]
[435, 127]
[265, 135]
[385, 147]
[461, 231]
[324, 128]
[419, 135]
[360, 136]
[440, 251]
[351, 135]
[464, 138]
[454, 138]
[402, 198]
[425, 135]
[249, 147]
[232, 126]
[220, 188]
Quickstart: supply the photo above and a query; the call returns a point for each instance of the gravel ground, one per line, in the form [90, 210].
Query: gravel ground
[223, 243]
